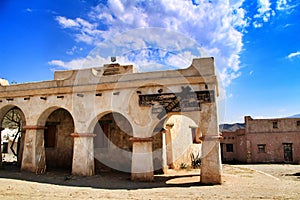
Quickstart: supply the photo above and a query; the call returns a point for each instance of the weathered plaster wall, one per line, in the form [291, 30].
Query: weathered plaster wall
[264, 132]
[116, 155]
[181, 140]
[228, 139]
[157, 151]
[273, 133]
[60, 156]
[87, 94]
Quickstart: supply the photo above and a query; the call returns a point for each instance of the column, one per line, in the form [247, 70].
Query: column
[83, 154]
[1, 129]
[142, 162]
[164, 152]
[21, 147]
[33, 159]
[211, 166]
[169, 144]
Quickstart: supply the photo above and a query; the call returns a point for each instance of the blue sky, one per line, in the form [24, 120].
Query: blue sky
[256, 44]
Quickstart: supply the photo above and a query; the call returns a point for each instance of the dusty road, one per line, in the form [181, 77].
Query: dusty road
[239, 182]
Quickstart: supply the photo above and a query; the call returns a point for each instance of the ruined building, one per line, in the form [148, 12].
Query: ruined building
[89, 120]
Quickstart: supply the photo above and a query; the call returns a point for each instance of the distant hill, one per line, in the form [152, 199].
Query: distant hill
[294, 116]
[231, 127]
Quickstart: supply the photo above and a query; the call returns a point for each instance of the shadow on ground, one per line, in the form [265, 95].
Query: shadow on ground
[106, 180]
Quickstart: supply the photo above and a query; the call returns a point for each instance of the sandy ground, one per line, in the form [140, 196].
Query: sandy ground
[239, 182]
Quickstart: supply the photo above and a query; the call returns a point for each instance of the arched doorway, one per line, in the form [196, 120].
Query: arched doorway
[112, 145]
[58, 143]
[176, 144]
[157, 147]
[12, 121]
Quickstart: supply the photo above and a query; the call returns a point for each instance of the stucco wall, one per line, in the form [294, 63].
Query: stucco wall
[265, 133]
[61, 155]
[273, 133]
[274, 151]
[229, 138]
[87, 94]
[182, 141]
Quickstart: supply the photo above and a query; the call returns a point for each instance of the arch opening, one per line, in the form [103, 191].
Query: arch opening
[176, 144]
[58, 143]
[12, 121]
[112, 145]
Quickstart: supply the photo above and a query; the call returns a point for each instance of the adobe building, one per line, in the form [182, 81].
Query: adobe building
[263, 141]
[89, 120]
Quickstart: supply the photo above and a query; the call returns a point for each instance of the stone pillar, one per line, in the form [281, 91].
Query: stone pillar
[142, 162]
[169, 146]
[33, 159]
[21, 147]
[83, 154]
[211, 166]
[164, 152]
[1, 129]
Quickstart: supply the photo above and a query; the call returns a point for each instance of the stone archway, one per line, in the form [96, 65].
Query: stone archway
[58, 143]
[112, 145]
[12, 120]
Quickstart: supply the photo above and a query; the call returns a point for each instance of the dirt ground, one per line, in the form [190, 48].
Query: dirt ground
[239, 182]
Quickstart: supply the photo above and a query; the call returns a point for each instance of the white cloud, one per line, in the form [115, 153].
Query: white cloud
[266, 10]
[264, 14]
[57, 63]
[295, 54]
[74, 50]
[215, 26]
[285, 5]
[67, 23]
[257, 24]
[81, 62]
[264, 6]
[183, 60]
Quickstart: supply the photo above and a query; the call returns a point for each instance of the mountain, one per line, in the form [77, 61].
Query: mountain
[294, 116]
[231, 127]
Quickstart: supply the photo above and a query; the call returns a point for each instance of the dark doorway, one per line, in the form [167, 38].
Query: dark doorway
[288, 152]
[50, 135]
[112, 145]
[57, 140]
